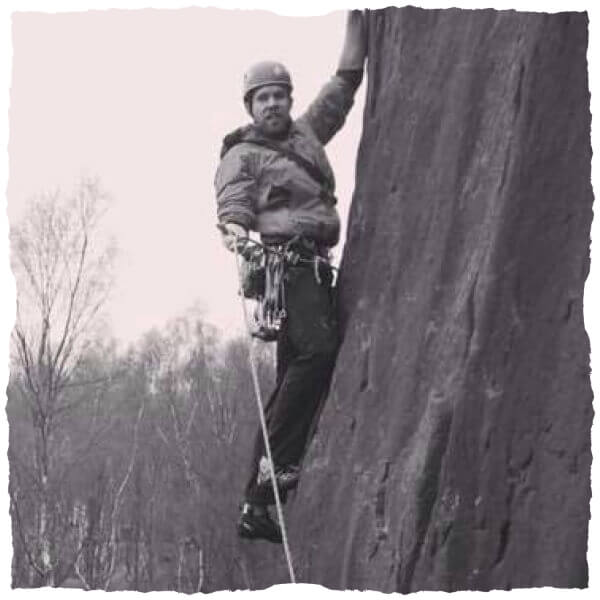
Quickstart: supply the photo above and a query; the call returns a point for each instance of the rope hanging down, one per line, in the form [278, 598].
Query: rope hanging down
[263, 423]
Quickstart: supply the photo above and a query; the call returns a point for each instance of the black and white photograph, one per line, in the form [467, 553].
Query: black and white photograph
[299, 299]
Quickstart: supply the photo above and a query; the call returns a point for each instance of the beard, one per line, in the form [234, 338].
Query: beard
[274, 125]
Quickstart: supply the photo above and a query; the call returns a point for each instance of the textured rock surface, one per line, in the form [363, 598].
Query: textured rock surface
[454, 450]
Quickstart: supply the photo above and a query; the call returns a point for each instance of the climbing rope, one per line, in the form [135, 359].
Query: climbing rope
[263, 423]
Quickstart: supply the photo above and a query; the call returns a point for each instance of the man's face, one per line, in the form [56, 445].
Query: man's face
[270, 109]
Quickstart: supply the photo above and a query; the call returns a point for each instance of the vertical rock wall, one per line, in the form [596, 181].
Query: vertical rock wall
[454, 449]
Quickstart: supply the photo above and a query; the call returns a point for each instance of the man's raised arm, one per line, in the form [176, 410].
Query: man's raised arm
[327, 113]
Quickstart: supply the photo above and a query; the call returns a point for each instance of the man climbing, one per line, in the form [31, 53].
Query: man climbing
[274, 178]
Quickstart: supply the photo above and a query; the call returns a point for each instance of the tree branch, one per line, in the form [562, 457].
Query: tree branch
[72, 297]
[118, 497]
[15, 510]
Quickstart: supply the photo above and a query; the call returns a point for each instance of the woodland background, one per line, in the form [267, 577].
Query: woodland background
[125, 467]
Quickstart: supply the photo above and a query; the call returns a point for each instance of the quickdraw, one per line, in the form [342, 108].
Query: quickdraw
[270, 308]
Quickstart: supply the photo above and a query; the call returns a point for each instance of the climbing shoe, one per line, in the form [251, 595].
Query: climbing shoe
[287, 477]
[259, 526]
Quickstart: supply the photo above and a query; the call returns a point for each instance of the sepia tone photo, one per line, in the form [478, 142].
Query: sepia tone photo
[299, 299]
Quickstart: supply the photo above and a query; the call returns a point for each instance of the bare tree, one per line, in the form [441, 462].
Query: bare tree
[125, 470]
[63, 270]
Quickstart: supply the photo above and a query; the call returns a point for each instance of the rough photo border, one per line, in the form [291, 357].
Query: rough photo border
[7, 291]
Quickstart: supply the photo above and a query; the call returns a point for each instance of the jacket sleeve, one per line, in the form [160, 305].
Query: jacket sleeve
[235, 185]
[327, 113]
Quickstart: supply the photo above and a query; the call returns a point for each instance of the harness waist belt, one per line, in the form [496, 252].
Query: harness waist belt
[304, 247]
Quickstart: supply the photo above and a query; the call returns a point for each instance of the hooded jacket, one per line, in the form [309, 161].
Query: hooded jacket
[264, 190]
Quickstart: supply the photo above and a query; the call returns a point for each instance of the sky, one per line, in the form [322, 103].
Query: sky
[141, 98]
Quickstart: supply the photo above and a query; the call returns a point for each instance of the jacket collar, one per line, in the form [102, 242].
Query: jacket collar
[250, 132]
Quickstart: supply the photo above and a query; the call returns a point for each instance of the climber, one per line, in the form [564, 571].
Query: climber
[274, 178]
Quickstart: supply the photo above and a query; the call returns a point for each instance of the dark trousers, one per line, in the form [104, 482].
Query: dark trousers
[306, 350]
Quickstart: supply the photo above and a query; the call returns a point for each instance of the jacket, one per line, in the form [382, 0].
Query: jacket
[263, 190]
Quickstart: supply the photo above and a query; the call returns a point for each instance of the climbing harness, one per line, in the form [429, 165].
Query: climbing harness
[263, 426]
[262, 275]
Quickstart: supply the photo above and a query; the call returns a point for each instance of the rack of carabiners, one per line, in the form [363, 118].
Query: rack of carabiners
[264, 281]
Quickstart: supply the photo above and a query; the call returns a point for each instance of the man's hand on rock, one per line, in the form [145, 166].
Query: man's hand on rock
[354, 51]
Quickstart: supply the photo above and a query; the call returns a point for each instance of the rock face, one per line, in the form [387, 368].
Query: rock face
[454, 448]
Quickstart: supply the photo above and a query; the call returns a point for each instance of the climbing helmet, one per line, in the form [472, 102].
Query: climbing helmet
[267, 72]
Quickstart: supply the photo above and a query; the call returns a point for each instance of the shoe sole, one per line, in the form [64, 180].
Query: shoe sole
[246, 531]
